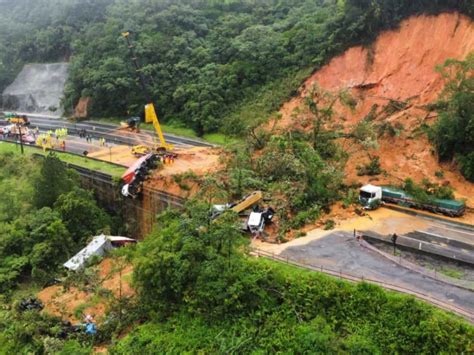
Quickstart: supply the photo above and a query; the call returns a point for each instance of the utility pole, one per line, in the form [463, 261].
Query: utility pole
[394, 241]
[21, 138]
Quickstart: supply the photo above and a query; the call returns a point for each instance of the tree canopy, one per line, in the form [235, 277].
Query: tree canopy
[38, 234]
[198, 292]
[453, 132]
[205, 61]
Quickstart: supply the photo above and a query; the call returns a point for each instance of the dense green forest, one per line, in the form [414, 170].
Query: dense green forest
[453, 133]
[45, 218]
[210, 65]
[202, 294]
[199, 292]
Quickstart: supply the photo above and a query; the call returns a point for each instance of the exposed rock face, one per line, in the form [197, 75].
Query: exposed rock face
[37, 89]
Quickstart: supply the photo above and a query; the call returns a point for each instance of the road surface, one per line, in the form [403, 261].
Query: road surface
[339, 251]
[110, 132]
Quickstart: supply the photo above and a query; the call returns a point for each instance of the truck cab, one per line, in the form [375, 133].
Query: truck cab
[370, 196]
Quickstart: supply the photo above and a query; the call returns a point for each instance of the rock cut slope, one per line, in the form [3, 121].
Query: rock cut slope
[37, 89]
[400, 66]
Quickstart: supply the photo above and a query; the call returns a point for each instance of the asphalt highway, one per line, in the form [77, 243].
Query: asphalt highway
[340, 251]
[110, 132]
[74, 144]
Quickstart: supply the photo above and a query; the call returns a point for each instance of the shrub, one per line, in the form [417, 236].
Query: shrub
[371, 169]
[453, 132]
[467, 166]
[329, 224]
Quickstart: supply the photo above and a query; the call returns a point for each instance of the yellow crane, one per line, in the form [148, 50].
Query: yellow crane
[152, 117]
[150, 112]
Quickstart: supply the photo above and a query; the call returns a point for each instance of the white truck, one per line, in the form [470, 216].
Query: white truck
[370, 196]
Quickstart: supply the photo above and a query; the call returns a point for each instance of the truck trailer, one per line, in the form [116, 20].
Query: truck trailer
[371, 197]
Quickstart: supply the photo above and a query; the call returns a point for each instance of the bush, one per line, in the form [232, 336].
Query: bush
[371, 169]
[427, 191]
[329, 224]
[453, 132]
[467, 166]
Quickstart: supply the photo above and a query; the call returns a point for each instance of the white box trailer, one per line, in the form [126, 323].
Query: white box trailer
[99, 246]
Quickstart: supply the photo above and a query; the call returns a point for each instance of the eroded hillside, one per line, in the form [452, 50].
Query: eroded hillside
[394, 80]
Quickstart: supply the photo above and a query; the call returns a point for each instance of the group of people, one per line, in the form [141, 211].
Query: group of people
[50, 139]
[167, 159]
[84, 134]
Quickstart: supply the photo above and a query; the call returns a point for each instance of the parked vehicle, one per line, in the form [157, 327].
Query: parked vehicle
[371, 197]
[6, 129]
[17, 119]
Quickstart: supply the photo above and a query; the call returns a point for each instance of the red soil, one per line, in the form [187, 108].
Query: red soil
[61, 302]
[400, 65]
[82, 108]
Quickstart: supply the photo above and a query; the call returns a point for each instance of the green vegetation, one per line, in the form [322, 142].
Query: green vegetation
[34, 333]
[200, 294]
[214, 65]
[44, 218]
[453, 133]
[101, 166]
[371, 169]
[427, 191]
[301, 170]
[451, 272]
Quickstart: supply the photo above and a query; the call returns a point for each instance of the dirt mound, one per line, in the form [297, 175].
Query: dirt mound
[70, 303]
[398, 69]
[82, 107]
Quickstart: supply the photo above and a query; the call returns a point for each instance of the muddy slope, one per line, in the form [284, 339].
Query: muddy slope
[399, 66]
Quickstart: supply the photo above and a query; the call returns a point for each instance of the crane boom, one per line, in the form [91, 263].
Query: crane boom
[151, 117]
[150, 112]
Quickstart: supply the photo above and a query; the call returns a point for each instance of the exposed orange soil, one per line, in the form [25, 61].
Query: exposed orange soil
[119, 154]
[198, 160]
[61, 302]
[195, 161]
[400, 66]
[169, 185]
[82, 107]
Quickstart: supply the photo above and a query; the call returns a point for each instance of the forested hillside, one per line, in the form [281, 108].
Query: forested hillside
[212, 65]
[45, 218]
